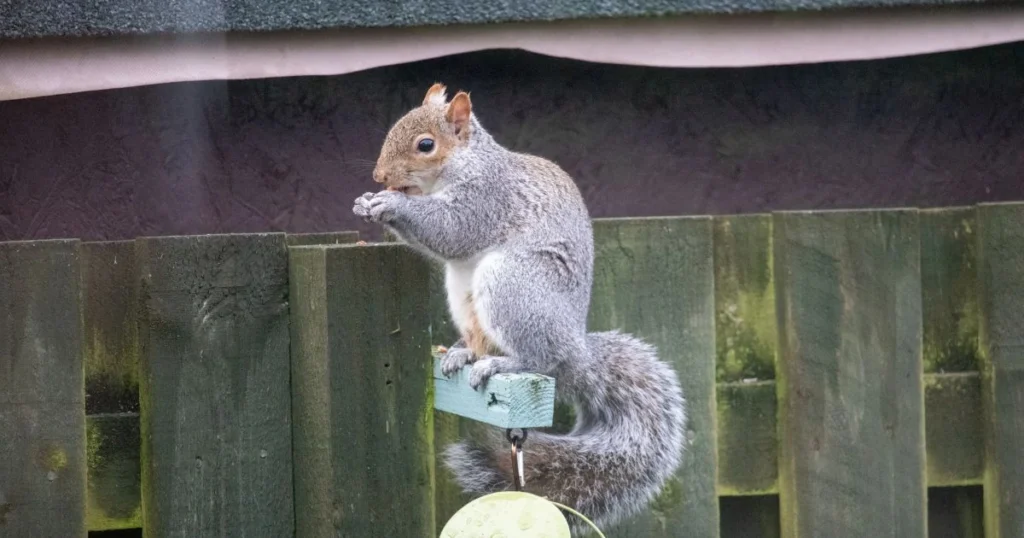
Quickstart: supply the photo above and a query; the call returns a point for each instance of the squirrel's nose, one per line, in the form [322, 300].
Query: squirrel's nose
[379, 176]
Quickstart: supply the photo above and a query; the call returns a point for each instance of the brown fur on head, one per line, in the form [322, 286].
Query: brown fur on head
[405, 162]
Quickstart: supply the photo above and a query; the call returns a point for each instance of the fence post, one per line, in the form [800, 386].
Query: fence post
[42, 404]
[1001, 255]
[654, 278]
[851, 417]
[362, 391]
[214, 389]
[110, 339]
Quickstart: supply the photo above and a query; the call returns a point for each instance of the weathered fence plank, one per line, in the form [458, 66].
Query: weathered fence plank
[110, 338]
[362, 392]
[747, 439]
[214, 389]
[115, 475]
[654, 278]
[949, 287]
[1001, 256]
[745, 335]
[953, 434]
[745, 329]
[42, 404]
[109, 312]
[852, 459]
[326, 238]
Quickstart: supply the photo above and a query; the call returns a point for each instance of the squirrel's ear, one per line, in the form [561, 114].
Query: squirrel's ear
[435, 95]
[458, 112]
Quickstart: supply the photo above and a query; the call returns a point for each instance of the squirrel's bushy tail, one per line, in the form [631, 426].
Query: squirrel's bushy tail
[627, 440]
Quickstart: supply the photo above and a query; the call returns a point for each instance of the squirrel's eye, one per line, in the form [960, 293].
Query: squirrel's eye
[426, 145]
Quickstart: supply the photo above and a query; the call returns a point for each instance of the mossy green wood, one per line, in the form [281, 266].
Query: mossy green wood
[110, 337]
[654, 278]
[42, 403]
[745, 329]
[362, 392]
[1001, 293]
[214, 390]
[115, 477]
[949, 287]
[851, 417]
[747, 439]
[109, 311]
[954, 435]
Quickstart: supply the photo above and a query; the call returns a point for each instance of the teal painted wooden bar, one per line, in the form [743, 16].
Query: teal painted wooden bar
[506, 401]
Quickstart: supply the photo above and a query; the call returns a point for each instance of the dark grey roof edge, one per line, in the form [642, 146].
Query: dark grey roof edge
[100, 18]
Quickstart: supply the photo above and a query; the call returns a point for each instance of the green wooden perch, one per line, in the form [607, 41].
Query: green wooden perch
[506, 401]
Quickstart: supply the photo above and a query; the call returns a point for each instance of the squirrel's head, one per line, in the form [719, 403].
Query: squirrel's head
[419, 143]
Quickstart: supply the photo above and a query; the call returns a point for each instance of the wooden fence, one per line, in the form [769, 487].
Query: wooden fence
[837, 366]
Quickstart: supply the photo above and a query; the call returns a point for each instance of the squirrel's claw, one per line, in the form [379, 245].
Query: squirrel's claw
[454, 360]
[482, 370]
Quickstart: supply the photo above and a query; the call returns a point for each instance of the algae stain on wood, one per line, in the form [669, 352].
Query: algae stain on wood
[949, 284]
[745, 338]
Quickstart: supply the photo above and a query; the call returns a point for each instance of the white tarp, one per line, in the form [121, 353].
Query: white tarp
[33, 68]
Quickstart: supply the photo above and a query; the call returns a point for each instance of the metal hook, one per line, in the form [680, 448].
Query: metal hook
[518, 476]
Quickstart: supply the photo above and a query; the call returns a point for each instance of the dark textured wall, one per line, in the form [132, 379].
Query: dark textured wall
[292, 154]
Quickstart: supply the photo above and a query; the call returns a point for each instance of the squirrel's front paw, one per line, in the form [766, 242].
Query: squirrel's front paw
[483, 369]
[384, 205]
[455, 359]
[362, 206]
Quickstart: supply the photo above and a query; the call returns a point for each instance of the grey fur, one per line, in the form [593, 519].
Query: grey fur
[520, 222]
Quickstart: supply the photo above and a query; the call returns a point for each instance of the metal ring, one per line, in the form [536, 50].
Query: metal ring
[515, 439]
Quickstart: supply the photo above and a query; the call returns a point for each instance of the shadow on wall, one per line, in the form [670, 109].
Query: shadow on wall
[291, 154]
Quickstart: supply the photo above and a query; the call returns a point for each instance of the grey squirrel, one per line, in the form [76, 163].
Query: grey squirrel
[516, 239]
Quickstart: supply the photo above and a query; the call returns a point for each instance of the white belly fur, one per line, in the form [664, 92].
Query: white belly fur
[465, 279]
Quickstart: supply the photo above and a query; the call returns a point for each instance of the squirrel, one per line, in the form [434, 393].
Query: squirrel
[516, 239]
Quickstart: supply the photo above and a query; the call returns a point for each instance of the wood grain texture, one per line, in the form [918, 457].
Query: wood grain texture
[508, 400]
[214, 389]
[747, 439]
[949, 288]
[851, 417]
[745, 329]
[326, 238]
[42, 401]
[362, 392]
[654, 278]
[1001, 263]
